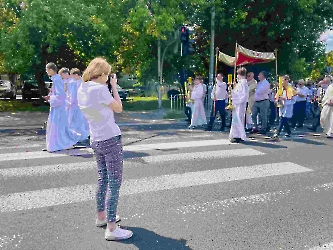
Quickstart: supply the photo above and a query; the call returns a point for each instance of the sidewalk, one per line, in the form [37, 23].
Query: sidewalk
[30, 120]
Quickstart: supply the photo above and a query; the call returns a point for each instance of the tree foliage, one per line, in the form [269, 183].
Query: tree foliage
[70, 33]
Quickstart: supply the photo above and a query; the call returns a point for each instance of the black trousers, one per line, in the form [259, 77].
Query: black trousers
[219, 107]
[284, 123]
[272, 115]
[299, 114]
[188, 113]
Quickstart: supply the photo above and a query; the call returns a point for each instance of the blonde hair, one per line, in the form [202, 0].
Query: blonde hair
[96, 68]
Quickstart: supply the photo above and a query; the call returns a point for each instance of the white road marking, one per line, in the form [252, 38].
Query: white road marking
[180, 136]
[171, 145]
[203, 155]
[137, 148]
[328, 246]
[24, 146]
[67, 167]
[67, 195]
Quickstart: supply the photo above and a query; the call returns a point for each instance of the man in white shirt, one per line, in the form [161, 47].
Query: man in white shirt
[261, 104]
[300, 105]
[218, 95]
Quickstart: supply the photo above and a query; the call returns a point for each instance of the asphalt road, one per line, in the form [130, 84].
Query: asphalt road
[181, 189]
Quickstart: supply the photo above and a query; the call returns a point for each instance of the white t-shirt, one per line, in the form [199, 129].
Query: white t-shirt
[93, 99]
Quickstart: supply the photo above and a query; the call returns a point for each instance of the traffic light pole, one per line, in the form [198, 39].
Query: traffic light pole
[212, 38]
[159, 74]
[160, 67]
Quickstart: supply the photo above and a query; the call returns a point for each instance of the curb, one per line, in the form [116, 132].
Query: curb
[39, 126]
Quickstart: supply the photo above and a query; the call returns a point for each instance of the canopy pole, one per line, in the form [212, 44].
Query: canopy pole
[214, 80]
[236, 58]
[230, 106]
[276, 64]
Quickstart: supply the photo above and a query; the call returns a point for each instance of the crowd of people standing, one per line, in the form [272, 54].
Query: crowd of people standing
[256, 106]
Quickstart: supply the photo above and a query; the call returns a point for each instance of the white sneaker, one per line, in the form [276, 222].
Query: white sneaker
[118, 234]
[102, 223]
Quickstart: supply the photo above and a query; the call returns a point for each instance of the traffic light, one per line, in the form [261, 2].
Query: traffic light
[183, 36]
[187, 43]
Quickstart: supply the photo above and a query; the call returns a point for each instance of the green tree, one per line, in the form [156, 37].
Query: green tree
[69, 33]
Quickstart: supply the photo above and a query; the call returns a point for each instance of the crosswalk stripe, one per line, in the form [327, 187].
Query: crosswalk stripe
[58, 168]
[138, 148]
[67, 195]
[202, 155]
[328, 246]
[187, 136]
[24, 146]
[171, 145]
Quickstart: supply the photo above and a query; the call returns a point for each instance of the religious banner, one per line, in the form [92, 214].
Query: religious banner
[228, 60]
[246, 56]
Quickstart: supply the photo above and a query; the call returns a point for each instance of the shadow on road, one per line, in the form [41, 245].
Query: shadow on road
[306, 141]
[148, 240]
[263, 144]
[87, 153]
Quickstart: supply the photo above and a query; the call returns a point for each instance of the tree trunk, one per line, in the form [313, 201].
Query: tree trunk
[40, 73]
[12, 78]
[39, 76]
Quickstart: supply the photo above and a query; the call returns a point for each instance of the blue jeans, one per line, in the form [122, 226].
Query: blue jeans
[109, 156]
[299, 114]
[284, 123]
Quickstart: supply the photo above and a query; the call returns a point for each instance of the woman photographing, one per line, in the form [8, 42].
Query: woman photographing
[98, 106]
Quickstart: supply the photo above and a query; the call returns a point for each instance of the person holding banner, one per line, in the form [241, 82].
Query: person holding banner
[240, 96]
[189, 102]
[218, 95]
[285, 97]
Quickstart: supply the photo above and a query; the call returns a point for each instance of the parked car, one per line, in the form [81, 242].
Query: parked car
[122, 93]
[30, 89]
[7, 89]
[137, 91]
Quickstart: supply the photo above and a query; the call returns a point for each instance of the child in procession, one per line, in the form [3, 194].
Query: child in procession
[76, 120]
[198, 110]
[286, 101]
[58, 134]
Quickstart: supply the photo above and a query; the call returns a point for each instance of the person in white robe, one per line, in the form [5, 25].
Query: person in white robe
[76, 121]
[198, 110]
[240, 96]
[326, 115]
[58, 134]
[65, 75]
